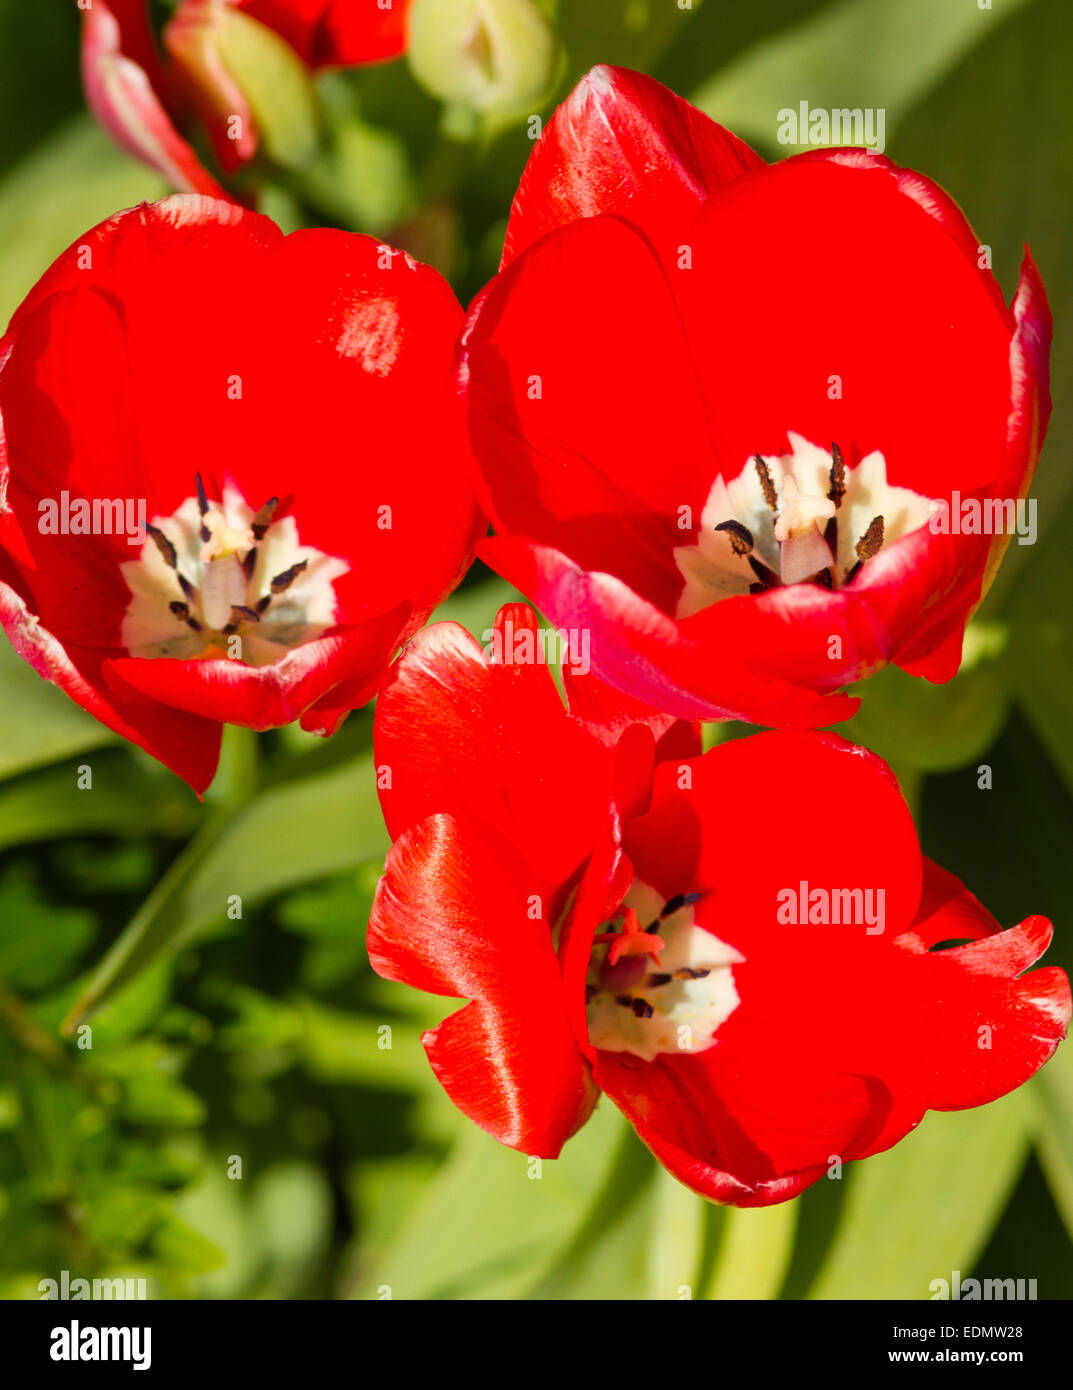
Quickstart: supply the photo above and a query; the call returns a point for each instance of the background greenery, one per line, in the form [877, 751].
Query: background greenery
[259, 1037]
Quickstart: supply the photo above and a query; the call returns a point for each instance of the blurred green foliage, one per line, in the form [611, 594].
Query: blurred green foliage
[255, 1117]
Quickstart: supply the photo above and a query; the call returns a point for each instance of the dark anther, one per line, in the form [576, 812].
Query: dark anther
[657, 981]
[244, 614]
[823, 578]
[182, 610]
[203, 507]
[249, 563]
[768, 578]
[287, 578]
[869, 544]
[263, 520]
[679, 901]
[642, 1008]
[624, 999]
[164, 546]
[764, 474]
[759, 588]
[741, 538]
[187, 588]
[872, 540]
[652, 927]
[687, 974]
[836, 490]
[262, 604]
[591, 991]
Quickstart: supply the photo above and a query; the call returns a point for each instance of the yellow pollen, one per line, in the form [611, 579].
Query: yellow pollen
[224, 539]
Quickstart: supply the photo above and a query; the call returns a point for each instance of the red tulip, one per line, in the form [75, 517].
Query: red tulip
[716, 405]
[234, 473]
[759, 1003]
[141, 103]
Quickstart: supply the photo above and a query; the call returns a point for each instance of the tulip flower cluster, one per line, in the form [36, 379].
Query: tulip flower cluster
[711, 409]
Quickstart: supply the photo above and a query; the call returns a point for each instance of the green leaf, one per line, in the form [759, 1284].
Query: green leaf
[259, 1023]
[129, 796]
[380, 1052]
[1041, 641]
[676, 1241]
[754, 1253]
[225, 1243]
[332, 917]
[382, 1194]
[608, 1254]
[488, 1224]
[1052, 1090]
[151, 1094]
[327, 823]
[292, 1212]
[362, 177]
[185, 1250]
[858, 53]
[41, 723]
[915, 725]
[950, 1178]
[120, 1215]
[39, 941]
[96, 868]
[1013, 197]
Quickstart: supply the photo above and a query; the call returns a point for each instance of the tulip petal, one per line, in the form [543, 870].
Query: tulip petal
[449, 725]
[646, 655]
[623, 144]
[453, 915]
[727, 1137]
[875, 331]
[262, 697]
[567, 378]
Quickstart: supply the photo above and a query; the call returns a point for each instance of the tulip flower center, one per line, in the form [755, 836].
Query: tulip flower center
[220, 579]
[657, 981]
[802, 517]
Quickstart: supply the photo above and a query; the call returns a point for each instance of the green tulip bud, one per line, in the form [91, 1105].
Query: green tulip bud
[250, 86]
[493, 56]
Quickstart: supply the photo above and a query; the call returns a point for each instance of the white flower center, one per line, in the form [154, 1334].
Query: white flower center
[670, 1003]
[214, 573]
[790, 518]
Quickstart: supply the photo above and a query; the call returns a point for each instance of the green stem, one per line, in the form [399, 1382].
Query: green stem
[238, 775]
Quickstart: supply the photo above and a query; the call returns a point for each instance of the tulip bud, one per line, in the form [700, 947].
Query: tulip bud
[487, 55]
[248, 84]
